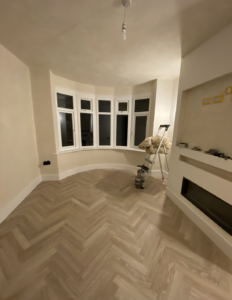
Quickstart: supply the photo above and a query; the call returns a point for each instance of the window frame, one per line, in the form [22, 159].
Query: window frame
[67, 92]
[90, 97]
[139, 114]
[111, 113]
[94, 98]
[128, 100]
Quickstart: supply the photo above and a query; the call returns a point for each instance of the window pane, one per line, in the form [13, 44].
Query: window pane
[122, 128]
[104, 130]
[66, 127]
[141, 105]
[104, 106]
[64, 101]
[122, 106]
[85, 104]
[140, 129]
[87, 129]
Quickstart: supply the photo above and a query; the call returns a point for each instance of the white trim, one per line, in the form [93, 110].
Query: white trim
[139, 114]
[111, 114]
[220, 237]
[73, 111]
[52, 177]
[6, 210]
[97, 148]
[128, 100]
[92, 112]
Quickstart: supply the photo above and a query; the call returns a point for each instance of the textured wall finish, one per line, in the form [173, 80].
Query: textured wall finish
[204, 64]
[208, 126]
[42, 103]
[18, 150]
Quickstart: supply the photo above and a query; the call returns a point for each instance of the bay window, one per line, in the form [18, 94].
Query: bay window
[66, 119]
[104, 119]
[122, 121]
[86, 121]
[140, 120]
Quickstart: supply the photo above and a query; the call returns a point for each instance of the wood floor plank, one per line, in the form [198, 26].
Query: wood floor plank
[94, 236]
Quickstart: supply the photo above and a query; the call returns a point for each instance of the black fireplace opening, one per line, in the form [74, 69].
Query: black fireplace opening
[215, 208]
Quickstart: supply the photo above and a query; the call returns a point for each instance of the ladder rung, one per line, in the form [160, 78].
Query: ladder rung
[146, 169]
[148, 160]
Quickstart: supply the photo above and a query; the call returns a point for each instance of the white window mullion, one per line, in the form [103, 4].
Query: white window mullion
[122, 108]
[87, 139]
[66, 113]
[140, 115]
[100, 115]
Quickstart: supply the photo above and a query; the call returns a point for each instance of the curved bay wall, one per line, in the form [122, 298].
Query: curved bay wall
[73, 160]
[43, 86]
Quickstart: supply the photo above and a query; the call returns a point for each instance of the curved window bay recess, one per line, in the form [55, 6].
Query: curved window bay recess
[87, 122]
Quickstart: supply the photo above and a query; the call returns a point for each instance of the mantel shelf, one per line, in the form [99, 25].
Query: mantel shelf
[207, 159]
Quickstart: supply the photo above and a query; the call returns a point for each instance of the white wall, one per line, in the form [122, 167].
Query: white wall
[18, 151]
[163, 102]
[173, 108]
[45, 133]
[209, 61]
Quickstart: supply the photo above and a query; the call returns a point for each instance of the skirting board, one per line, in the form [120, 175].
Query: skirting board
[221, 238]
[6, 210]
[55, 177]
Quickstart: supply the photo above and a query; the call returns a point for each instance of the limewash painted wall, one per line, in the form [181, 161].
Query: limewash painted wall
[18, 151]
[209, 61]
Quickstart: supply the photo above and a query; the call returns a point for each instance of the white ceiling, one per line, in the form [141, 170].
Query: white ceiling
[81, 39]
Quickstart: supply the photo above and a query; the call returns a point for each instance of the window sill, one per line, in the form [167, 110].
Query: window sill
[99, 148]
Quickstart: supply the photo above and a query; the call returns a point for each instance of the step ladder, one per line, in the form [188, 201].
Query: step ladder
[144, 171]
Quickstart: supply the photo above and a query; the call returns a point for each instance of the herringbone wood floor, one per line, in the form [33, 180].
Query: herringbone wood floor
[94, 236]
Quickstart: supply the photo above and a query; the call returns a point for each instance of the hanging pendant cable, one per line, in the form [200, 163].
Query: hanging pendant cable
[124, 26]
[126, 4]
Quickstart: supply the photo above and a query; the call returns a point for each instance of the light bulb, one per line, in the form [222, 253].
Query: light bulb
[124, 30]
[124, 34]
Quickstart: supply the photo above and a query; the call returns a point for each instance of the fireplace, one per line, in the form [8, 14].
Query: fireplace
[215, 208]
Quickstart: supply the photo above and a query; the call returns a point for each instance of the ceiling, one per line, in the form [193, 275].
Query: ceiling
[81, 39]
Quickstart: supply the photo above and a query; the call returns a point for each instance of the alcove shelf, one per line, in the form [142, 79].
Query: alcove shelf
[211, 160]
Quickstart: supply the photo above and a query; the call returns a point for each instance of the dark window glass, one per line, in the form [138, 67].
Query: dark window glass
[87, 129]
[64, 101]
[66, 127]
[140, 129]
[85, 104]
[104, 130]
[122, 128]
[122, 106]
[103, 106]
[141, 105]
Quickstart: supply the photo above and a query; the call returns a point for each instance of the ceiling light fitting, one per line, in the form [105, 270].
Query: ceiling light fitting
[125, 3]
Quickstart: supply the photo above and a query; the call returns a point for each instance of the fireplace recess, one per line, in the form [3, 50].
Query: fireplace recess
[215, 208]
